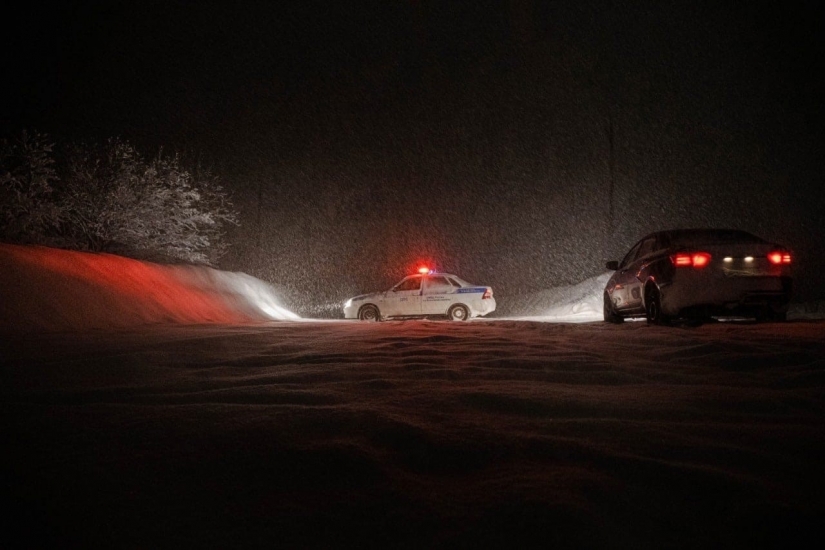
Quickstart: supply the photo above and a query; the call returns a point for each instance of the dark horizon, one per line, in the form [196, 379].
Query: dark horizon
[358, 140]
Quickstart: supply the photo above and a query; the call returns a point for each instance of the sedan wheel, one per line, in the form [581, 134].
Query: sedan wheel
[653, 307]
[369, 313]
[458, 313]
[610, 314]
[770, 315]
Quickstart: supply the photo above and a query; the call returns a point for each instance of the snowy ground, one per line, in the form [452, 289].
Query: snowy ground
[296, 433]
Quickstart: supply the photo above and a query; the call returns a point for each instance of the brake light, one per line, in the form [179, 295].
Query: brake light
[701, 259]
[487, 294]
[692, 259]
[777, 258]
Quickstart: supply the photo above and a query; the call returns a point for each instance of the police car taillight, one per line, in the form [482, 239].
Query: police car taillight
[487, 294]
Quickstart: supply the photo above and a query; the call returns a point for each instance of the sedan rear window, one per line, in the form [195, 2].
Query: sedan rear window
[698, 237]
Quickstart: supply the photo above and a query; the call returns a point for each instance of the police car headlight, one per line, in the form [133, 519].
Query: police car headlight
[348, 303]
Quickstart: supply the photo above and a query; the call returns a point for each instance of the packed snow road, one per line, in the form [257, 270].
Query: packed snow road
[415, 434]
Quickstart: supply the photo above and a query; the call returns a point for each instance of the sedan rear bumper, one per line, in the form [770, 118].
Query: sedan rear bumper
[726, 296]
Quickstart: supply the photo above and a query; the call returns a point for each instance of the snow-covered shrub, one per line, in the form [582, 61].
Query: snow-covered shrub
[109, 198]
[28, 207]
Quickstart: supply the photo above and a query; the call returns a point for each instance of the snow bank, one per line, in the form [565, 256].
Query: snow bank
[579, 303]
[808, 310]
[49, 289]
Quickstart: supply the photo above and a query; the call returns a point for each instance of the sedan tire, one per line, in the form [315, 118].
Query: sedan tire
[610, 314]
[770, 315]
[653, 307]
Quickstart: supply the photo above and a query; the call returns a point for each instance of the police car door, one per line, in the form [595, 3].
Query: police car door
[404, 298]
[437, 296]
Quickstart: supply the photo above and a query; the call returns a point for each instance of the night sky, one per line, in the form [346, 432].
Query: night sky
[359, 138]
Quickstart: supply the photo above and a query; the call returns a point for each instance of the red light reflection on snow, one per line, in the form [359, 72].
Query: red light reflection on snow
[91, 288]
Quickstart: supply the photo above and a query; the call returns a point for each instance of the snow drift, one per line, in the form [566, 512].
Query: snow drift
[579, 303]
[49, 289]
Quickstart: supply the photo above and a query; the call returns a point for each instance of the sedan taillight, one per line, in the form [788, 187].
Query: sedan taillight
[487, 294]
[691, 259]
[778, 258]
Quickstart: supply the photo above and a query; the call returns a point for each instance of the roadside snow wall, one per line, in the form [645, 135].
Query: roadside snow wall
[47, 289]
[579, 303]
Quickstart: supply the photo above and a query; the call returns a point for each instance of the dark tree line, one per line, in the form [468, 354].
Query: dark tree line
[109, 198]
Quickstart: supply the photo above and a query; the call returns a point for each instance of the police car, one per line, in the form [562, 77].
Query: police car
[425, 294]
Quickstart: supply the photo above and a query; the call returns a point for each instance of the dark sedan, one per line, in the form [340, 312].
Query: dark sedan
[699, 273]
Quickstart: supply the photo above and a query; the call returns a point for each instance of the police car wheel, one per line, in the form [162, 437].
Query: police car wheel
[458, 313]
[369, 313]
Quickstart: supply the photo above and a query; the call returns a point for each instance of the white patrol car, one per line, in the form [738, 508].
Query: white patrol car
[425, 294]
